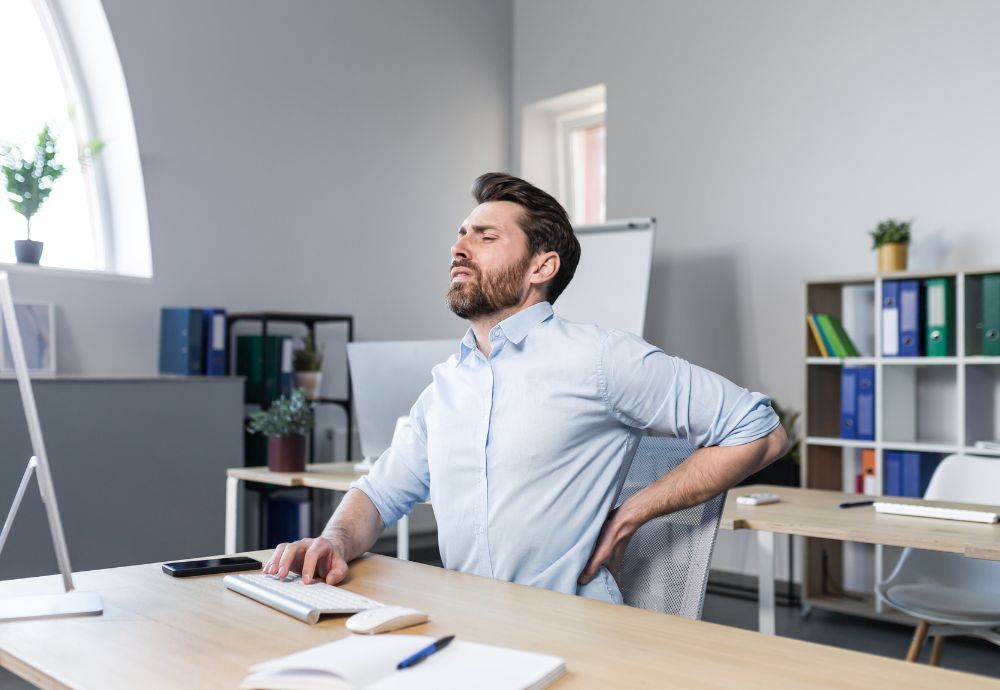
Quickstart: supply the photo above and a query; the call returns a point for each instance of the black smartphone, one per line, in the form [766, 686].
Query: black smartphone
[210, 566]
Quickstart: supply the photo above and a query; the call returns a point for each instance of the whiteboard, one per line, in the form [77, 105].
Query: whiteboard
[611, 282]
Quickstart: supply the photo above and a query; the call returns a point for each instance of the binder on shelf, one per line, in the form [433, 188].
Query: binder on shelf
[848, 403]
[250, 363]
[865, 408]
[909, 318]
[838, 336]
[892, 466]
[214, 341]
[917, 469]
[890, 318]
[287, 373]
[991, 314]
[940, 311]
[287, 519]
[869, 475]
[824, 350]
[181, 330]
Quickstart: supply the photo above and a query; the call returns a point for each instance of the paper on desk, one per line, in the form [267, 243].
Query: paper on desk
[370, 662]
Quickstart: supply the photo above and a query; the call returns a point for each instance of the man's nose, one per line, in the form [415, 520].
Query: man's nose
[459, 250]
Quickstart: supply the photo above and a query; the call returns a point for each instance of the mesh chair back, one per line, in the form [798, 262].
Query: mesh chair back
[665, 567]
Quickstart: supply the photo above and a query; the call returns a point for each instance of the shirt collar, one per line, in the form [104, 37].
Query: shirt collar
[514, 328]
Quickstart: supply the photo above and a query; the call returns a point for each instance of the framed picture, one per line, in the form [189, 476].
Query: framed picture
[37, 324]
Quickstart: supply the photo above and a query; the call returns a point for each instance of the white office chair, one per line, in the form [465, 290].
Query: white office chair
[948, 593]
[665, 567]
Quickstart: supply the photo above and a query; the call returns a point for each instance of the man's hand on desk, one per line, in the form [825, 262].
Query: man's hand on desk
[320, 557]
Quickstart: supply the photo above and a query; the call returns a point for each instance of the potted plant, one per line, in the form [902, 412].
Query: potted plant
[285, 424]
[891, 238]
[29, 183]
[308, 364]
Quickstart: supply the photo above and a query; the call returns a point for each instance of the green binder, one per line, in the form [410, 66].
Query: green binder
[991, 314]
[249, 360]
[835, 333]
[939, 303]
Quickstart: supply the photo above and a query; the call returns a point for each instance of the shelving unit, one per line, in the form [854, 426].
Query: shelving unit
[925, 404]
[263, 321]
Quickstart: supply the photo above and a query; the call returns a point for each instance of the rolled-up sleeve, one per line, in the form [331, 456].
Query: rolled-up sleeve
[400, 478]
[646, 388]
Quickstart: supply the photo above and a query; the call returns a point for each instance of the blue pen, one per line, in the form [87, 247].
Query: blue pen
[435, 646]
[855, 504]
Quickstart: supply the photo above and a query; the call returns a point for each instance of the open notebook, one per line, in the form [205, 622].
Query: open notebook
[358, 662]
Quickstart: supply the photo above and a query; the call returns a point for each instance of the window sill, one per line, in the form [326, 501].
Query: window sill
[55, 272]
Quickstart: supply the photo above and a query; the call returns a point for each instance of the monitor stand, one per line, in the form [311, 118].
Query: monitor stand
[69, 603]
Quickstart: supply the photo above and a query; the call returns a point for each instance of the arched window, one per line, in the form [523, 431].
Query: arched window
[95, 215]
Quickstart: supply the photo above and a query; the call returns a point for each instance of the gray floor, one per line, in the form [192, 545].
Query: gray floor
[849, 632]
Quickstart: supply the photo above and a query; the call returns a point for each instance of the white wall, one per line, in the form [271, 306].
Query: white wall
[307, 155]
[766, 138]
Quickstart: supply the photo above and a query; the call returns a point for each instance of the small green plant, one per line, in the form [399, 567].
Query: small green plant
[29, 181]
[286, 415]
[308, 358]
[788, 418]
[891, 231]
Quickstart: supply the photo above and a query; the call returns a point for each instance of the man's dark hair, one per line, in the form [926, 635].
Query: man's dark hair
[544, 221]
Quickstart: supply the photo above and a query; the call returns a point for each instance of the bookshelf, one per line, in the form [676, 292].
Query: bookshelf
[925, 404]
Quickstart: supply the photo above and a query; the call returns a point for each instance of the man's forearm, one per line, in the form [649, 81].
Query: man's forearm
[355, 525]
[706, 473]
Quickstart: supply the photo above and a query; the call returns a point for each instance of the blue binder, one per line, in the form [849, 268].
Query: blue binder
[909, 318]
[214, 345]
[865, 408]
[892, 469]
[890, 318]
[848, 403]
[916, 473]
[181, 341]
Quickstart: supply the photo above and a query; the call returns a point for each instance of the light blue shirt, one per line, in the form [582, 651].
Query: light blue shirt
[522, 453]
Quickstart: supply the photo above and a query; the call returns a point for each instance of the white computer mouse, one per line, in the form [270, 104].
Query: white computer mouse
[384, 619]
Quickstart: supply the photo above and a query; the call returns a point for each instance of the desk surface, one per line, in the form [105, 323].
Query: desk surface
[814, 513]
[162, 632]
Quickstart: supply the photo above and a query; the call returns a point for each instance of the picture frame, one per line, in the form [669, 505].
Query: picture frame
[36, 321]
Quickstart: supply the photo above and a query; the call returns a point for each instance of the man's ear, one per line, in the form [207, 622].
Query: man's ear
[546, 266]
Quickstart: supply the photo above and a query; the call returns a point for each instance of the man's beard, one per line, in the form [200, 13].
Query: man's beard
[488, 293]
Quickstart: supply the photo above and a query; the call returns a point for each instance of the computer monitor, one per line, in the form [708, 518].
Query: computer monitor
[70, 603]
[387, 378]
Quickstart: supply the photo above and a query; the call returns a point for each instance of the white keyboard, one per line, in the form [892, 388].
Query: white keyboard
[302, 601]
[935, 512]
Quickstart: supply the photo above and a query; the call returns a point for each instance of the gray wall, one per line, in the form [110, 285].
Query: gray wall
[767, 137]
[308, 155]
[139, 469]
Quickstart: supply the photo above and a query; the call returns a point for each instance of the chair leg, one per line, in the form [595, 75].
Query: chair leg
[919, 635]
[936, 650]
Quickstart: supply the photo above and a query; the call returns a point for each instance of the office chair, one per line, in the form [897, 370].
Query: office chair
[948, 593]
[665, 567]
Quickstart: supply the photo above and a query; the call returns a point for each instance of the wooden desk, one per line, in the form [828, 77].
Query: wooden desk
[162, 632]
[330, 476]
[814, 513]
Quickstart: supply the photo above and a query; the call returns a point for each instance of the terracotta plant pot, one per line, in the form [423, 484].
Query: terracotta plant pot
[309, 382]
[892, 258]
[286, 453]
[28, 251]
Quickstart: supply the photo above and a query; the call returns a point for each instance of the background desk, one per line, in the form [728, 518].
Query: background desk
[331, 476]
[814, 513]
[162, 632]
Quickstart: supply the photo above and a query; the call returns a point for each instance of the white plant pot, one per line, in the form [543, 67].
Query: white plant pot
[309, 381]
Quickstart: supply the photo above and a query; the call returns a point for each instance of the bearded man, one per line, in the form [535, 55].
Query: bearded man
[522, 437]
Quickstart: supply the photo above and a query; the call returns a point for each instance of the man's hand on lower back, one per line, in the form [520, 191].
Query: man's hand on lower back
[610, 548]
